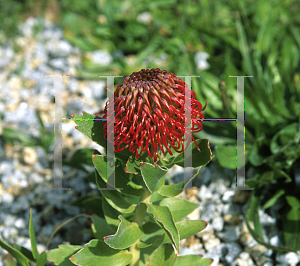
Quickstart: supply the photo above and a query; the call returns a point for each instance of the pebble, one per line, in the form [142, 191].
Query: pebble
[20, 204]
[232, 219]
[244, 259]
[228, 196]
[29, 155]
[230, 234]
[218, 223]
[101, 57]
[207, 211]
[204, 194]
[241, 196]
[20, 223]
[291, 258]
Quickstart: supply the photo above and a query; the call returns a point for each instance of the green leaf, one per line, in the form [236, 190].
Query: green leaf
[256, 232]
[26, 252]
[285, 135]
[110, 215]
[153, 176]
[96, 252]
[82, 156]
[189, 228]
[93, 129]
[121, 178]
[133, 164]
[199, 157]
[293, 202]
[291, 224]
[281, 249]
[115, 199]
[100, 227]
[164, 255]
[11, 135]
[227, 157]
[35, 253]
[11, 262]
[60, 256]
[179, 207]
[156, 197]
[273, 199]
[171, 191]
[164, 217]
[42, 259]
[15, 253]
[155, 235]
[253, 214]
[92, 203]
[152, 232]
[193, 260]
[90, 128]
[127, 234]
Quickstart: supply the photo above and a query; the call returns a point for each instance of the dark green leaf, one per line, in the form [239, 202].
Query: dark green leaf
[35, 253]
[42, 259]
[152, 232]
[100, 227]
[111, 215]
[199, 157]
[121, 178]
[15, 253]
[26, 252]
[273, 199]
[92, 203]
[228, 158]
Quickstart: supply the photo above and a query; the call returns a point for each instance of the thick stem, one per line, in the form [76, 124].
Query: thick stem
[139, 216]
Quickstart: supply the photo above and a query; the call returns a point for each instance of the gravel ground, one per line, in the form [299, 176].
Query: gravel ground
[26, 171]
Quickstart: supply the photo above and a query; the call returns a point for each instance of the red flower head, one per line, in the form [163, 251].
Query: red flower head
[150, 114]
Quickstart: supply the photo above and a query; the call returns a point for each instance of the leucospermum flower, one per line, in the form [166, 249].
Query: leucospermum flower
[150, 114]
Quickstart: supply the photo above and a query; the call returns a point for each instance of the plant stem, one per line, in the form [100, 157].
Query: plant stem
[139, 218]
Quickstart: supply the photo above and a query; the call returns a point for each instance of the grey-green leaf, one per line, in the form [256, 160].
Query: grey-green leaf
[96, 252]
[193, 260]
[163, 215]
[60, 256]
[127, 234]
[153, 175]
[164, 255]
[179, 207]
